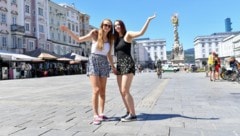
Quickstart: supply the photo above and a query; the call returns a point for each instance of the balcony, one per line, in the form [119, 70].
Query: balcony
[17, 28]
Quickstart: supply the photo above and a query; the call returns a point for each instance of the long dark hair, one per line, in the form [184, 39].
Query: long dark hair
[122, 27]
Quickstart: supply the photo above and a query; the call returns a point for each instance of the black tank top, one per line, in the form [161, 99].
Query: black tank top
[122, 48]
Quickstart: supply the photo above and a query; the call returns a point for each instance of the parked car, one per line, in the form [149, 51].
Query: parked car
[170, 68]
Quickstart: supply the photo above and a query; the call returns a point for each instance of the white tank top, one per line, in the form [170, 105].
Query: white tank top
[104, 51]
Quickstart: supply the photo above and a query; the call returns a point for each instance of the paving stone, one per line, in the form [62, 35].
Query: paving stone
[178, 105]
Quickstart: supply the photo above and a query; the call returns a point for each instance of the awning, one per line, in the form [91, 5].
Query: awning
[64, 59]
[43, 54]
[76, 57]
[46, 56]
[17, 57]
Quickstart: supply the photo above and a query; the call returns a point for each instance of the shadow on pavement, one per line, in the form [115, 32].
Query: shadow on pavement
[146, 116]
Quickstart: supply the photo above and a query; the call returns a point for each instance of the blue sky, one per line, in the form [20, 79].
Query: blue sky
[196, 17]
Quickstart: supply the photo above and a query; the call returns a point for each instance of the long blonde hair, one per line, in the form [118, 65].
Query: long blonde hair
[101, 36]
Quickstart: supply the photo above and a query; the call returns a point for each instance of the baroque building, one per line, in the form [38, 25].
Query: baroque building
[26, 25]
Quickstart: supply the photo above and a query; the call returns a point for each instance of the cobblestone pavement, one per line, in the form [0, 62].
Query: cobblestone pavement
[179, 104]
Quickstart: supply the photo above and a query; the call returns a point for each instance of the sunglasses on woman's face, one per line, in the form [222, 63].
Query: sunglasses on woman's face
[107, 25]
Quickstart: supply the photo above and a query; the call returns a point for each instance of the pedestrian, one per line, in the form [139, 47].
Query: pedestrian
[98, 64]
[211, 67]
[126, 64]
[217, 64]
[159, 68]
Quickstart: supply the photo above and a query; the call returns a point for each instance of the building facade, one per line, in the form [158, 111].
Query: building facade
[204, 45]
[236, 47]
[148, 51]
[12, 25]
[26, 25]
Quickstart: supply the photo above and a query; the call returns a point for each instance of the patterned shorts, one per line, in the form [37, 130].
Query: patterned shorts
[125, 65]
[98, 66]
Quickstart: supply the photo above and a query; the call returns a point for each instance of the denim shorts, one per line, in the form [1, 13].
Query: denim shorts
[98, 65]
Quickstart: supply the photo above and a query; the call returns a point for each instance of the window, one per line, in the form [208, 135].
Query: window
[52, 21]
[3, 18]
[40, 11]
[14, 1]
[69, 39]
[14, 20]
[64, 38]
[30, 46]
[203, 45]
[27, 9]
[41, 29]
[73, 27]
[42, 46]
[69, 26]
[27, 26]
[52, 36]
[47, 48]
[14, 40]
[76, 28]
[204, 56]
[4, 41]
[19, 43]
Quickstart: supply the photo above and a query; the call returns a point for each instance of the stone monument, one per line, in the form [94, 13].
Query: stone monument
[177, 55]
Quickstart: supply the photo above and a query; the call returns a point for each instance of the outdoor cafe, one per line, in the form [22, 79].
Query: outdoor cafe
[40, 63]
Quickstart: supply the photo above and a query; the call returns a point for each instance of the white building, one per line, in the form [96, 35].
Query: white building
[236, 45]
[204, 45]
[12, 25]
[147, 51]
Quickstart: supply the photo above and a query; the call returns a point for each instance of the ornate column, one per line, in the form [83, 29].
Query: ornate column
[177, 55]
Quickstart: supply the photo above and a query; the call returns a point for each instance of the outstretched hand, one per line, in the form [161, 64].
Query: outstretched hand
[152, 17]
[63, 28]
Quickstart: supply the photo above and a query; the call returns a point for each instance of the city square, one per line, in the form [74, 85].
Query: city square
[56, 55]
[179, 104]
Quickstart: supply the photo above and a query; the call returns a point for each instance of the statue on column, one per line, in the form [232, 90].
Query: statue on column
[177, 50]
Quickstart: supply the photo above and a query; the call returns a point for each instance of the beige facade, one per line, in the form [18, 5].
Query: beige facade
[26, 25]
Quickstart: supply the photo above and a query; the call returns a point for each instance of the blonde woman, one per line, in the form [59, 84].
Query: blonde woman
[98, 65]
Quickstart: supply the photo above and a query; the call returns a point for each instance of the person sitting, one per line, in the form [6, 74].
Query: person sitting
[234, 64]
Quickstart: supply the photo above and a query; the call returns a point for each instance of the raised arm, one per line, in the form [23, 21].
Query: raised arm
[131, 35]
[89, 37]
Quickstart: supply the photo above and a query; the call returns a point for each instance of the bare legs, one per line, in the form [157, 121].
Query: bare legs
[124, 83]
[98, 96]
